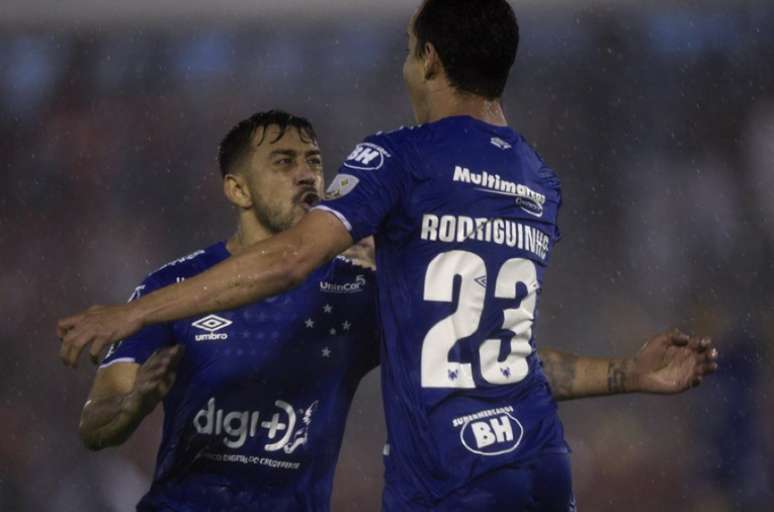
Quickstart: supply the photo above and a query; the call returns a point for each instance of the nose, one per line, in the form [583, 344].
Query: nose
[306, 175]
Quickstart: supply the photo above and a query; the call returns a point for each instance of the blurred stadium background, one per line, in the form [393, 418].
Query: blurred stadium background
[658, 118]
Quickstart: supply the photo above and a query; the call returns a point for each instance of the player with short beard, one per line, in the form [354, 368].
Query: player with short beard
[255, 398]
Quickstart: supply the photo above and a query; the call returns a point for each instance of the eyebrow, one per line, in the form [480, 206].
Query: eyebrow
[293, 152]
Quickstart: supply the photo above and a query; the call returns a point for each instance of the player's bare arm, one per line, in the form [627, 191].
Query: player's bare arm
[667, 363]
[262, 270]
[123, 394]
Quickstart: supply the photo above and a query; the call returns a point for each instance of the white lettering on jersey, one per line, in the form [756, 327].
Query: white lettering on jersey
[357, 286]
[527, 199]
[367, 157]
[490, 432]
[235, 427]
[211, 324]
[457, 229]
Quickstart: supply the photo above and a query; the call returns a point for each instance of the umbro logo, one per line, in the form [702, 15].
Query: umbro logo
[499, 143]
[211, 323]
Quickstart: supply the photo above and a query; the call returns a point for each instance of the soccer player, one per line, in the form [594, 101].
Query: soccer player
[255, 398]
[465, 217]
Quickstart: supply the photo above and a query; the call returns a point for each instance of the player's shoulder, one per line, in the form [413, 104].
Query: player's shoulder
[531, 160]
[544, 173]
[186, 266]
[403, 136]
[409, 135]
[381, 148]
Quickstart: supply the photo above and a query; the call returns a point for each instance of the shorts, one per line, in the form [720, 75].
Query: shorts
[543, 484]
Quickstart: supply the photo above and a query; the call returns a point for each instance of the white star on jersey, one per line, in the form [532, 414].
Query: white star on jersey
[326, 352]
[346, 325]
[328, 308]
[309, 323]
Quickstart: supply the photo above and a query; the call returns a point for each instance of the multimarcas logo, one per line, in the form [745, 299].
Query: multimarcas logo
[527, 199]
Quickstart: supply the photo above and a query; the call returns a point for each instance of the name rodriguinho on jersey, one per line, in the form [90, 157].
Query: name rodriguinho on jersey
[459, 228]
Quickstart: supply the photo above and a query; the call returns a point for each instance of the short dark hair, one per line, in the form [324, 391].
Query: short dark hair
[237, 143]
[477, 41]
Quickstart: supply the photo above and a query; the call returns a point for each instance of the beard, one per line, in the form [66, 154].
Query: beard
[274, 218]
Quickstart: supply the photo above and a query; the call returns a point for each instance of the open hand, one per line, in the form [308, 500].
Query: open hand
[98, 326]
[673, 362]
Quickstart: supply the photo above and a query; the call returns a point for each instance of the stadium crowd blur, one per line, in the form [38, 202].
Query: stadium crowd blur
[659, 122]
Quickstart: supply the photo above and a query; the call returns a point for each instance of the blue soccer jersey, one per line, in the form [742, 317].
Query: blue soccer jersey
[464, 215]
[255, 419]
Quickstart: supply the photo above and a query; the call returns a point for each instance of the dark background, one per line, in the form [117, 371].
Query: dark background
[659, 121]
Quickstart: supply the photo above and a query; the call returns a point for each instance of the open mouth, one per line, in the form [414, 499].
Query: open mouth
[309, 200]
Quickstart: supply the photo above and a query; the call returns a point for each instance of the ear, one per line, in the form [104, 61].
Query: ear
[431, 62]
[236, 190]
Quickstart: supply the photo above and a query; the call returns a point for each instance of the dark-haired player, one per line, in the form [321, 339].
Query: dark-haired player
[255, 398]
[464, 214]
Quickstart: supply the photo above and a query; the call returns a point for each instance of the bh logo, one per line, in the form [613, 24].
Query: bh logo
[367, 157]
[492, 436]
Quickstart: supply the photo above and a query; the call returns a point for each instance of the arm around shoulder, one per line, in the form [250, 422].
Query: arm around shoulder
[267, 268]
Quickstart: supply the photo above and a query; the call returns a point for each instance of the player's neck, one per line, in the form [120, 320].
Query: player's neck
[247, 234]
[449, 103]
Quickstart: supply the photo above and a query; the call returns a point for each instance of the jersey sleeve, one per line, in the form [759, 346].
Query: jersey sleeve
[138, 347]
[370, 183]
[553, 186]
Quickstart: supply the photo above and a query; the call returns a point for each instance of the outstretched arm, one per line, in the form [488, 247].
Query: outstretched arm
[264, 269]
[668, 363]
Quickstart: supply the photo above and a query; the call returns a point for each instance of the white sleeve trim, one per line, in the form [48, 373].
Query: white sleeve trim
[338, 215]
[119, 360]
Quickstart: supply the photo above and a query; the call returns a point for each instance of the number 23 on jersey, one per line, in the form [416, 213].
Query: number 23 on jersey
[437, 370]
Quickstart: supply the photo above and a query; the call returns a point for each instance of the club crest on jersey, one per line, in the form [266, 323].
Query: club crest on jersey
[342, 185]
[367, 157]
[211, 324]
[490, 432]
